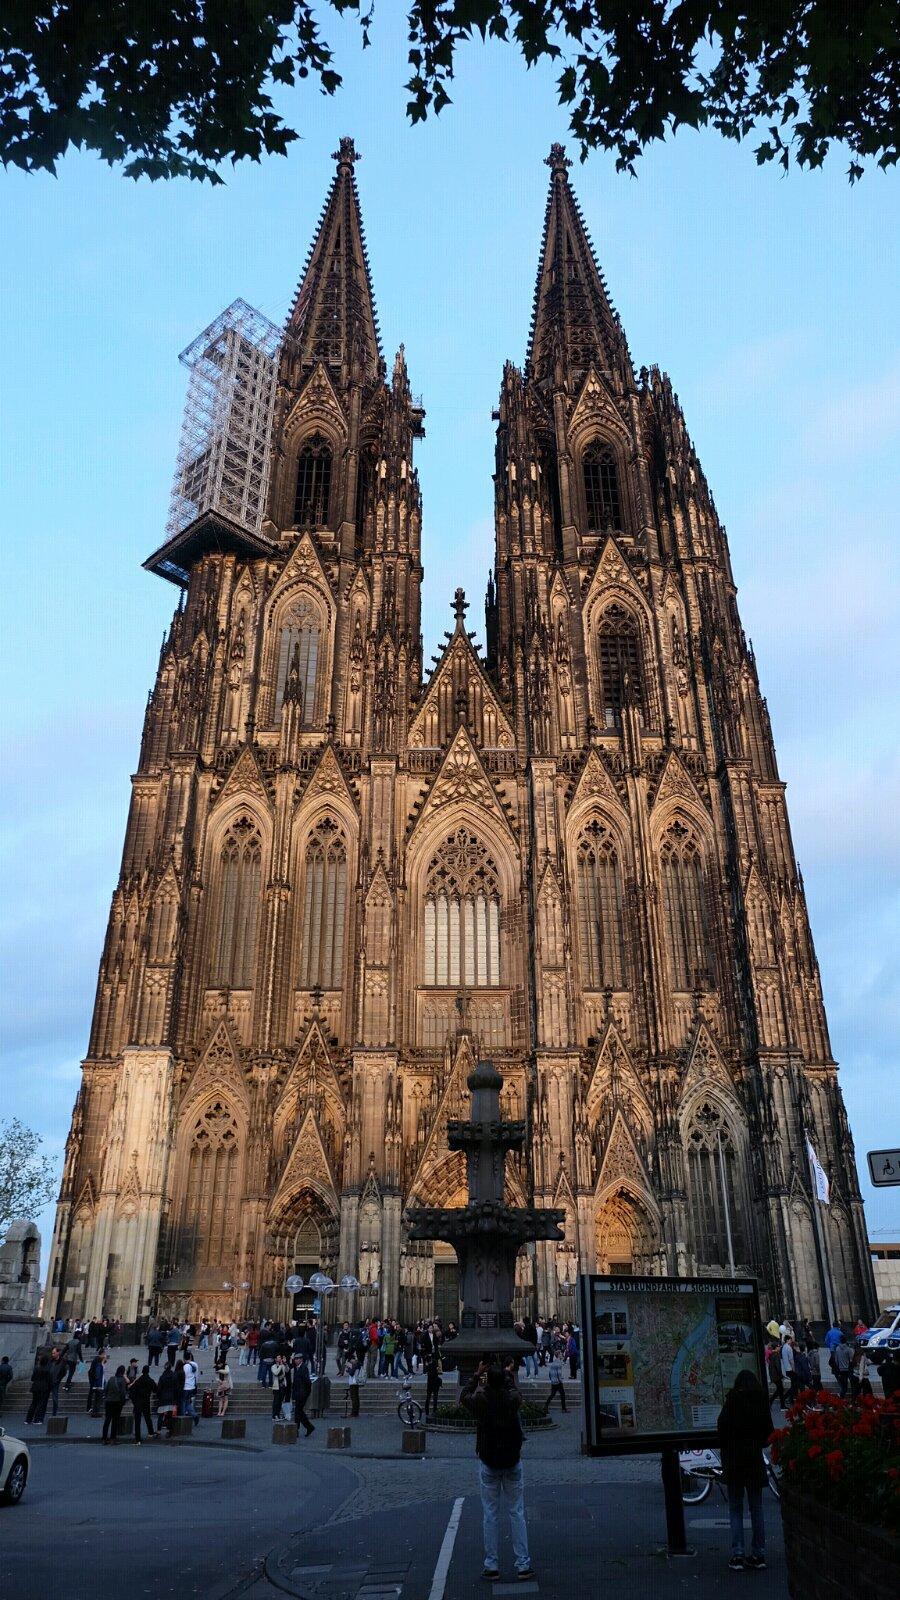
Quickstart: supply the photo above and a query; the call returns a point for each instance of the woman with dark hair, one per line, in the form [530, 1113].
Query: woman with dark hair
[745, 1424]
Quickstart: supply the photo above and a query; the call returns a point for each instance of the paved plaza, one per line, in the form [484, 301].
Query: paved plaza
[253, 1519]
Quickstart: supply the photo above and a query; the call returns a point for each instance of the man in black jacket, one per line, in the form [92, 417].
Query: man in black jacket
[494, 1401]
[140, 1392]
[58, 1370]
[301, 1389]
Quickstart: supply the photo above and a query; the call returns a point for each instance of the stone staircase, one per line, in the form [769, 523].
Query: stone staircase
[378, 1396]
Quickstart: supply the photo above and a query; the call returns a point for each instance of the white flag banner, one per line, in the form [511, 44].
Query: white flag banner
[820, 1175]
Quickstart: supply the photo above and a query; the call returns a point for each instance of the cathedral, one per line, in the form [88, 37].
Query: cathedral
[347, 875]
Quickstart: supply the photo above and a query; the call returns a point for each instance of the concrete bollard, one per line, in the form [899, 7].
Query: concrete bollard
[181, 1427]
[126, 1425]
[284, 1433]
[414, 1441]
[234, 1427]
[57, 1426]
[338, 1438]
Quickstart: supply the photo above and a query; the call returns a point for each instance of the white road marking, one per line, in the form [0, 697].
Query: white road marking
[439, 1582]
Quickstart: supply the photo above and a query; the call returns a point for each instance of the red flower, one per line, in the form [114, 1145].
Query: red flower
[815, 1451]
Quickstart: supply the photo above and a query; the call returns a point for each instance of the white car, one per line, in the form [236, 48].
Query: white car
[884, 1334]
[14, 1464]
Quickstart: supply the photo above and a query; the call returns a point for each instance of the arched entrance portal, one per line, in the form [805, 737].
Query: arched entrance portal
[446, 1283]
[303, 1238]
[625, 1236]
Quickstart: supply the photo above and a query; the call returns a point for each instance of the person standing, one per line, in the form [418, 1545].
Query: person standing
[140, 1392]
[191, 1373]
[494, 1401]
[572, 1353]
[156, 1340]
[841, 1362]
[773, 1368]
[789, 1368]
[41, 1384]
[58, 1369]
[745, 1423]
[352, 1370]
[73, 1354]
[114, 1399]
[554, 1372]
[280, 1386]
[833, 1337]
[268, 1350]
[301, 1389]
[96, 1380]
[166, 1398]
[223, 1387]
[433, 1381]
[6, 1378]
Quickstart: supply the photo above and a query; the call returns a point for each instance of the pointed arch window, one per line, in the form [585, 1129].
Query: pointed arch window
[686, 907]
[600, 919]
[619, 659]
[462, 916]
[715, 1190]
[240, 876]
[313, 496]
[324, 908]
[208, 1226]
[602, 497]
[299, 642]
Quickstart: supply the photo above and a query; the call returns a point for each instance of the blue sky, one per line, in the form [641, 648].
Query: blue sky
[771, 301]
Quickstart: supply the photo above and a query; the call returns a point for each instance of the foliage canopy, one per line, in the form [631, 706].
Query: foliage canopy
[27, 1179]
[177, 87]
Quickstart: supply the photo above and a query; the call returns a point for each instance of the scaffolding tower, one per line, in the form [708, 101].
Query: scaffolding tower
[223, 453]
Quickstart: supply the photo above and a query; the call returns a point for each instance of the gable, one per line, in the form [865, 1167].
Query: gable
[302, 567]
[328, 779]
[705, 1067]
[595, 783]
[621, 1162]
[613, 572]
[676, 783]
[460, 673]
[244, 779]
[218, 1070]
[462, 777]
[308, 1166]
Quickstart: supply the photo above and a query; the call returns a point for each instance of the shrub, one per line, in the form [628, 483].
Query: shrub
[844, 1454]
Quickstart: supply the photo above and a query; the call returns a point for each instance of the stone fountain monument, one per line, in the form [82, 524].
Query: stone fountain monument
[486, 1233]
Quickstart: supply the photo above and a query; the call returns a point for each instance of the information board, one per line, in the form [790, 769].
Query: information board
[660, 1354]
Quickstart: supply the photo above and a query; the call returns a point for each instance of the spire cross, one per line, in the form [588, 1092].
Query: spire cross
[460, 605]
[346, 153]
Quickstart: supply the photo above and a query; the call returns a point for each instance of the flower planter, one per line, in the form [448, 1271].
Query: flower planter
[831, 1557]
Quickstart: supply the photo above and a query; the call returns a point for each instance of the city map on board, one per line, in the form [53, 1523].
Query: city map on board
[666, 1355]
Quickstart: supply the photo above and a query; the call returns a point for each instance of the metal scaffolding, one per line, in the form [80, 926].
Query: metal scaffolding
[223, 453]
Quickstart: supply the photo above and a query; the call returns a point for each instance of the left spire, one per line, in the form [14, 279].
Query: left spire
[333, 318]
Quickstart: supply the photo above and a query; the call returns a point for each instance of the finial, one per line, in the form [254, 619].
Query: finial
[460, 605]
[346, 154]
[557, 160]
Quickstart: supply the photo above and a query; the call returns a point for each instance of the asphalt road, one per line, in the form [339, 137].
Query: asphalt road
[230, 1523]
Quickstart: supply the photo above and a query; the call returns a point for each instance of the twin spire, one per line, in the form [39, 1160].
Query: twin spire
[573, 326]
[333, 318]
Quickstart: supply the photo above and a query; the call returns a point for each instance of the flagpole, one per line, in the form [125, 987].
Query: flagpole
[820, 1234]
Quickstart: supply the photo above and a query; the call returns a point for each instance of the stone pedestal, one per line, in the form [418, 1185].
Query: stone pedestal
[284, 1433]
[234, 1427]
[57, 1426]
[339, 1438]
[413, 1441]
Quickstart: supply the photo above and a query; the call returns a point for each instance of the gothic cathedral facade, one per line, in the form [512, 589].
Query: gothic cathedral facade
[345, 877]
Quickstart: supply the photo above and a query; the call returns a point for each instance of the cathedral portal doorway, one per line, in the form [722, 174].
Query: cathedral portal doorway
[625, 1236]
[446, 1284]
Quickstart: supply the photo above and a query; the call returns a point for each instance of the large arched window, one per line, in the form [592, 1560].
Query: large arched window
[602, 499]
[212, 1190]
[715, 1190]
[619, 660]
[324, 908]
[462, 916]
[240, 871]
[599, 880]
[299, 649]
[313, 496]
[686, 908]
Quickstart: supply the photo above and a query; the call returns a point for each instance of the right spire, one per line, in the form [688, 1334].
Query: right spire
[573, 323]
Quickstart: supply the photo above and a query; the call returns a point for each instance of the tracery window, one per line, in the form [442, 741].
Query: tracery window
[212, 1189]
[715, 1190]
[324, 908]
[300, 641]
[313, 496]
[686, 908]
[603, 501]
[599, 883]
[462, 915]
[619, 657]
[240, 873]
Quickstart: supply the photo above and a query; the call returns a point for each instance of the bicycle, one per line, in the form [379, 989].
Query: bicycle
[409, 1410]
[700, 1469]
